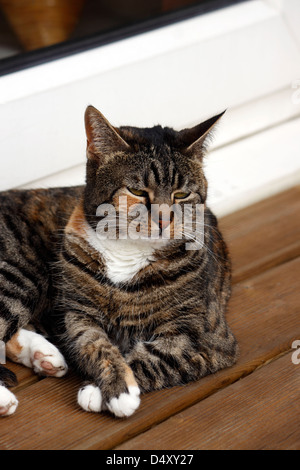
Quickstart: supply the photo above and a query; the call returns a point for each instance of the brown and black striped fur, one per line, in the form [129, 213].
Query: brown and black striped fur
[166, 326]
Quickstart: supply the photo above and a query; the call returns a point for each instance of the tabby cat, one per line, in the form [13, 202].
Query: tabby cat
[129, 315]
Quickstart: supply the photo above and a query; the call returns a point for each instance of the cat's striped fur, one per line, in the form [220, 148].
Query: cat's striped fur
[164, 324]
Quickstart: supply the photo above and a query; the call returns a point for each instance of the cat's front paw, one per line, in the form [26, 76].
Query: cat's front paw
[8, 402]
[33, 350]
[90, 398]
[49, 361]
[126, 404]
[121, 398]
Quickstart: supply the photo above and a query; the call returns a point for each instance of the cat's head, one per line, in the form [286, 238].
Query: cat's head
[153, 167]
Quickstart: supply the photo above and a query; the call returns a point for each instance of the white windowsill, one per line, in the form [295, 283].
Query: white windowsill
[245, 58]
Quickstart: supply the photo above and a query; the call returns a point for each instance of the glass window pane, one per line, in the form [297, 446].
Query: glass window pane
[32, 25]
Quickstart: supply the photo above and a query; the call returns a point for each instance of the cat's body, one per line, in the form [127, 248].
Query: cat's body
[128, 315]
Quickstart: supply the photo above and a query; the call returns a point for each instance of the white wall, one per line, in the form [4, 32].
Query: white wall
[245, 58]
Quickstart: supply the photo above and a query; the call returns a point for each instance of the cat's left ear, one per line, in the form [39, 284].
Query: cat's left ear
[195, 139]
[103, 140]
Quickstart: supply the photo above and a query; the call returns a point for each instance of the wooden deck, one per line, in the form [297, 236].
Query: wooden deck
[253, 405]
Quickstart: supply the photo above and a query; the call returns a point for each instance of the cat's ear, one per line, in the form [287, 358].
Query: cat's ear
[102, 138]
[195, 139]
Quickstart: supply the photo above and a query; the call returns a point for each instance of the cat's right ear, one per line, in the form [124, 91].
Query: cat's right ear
[103, 140]
[196, 139]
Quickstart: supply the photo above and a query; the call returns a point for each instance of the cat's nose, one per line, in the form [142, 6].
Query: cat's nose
[163, 223]
[165, 219]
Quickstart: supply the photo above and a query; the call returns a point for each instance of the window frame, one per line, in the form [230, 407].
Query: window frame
[41, 118]
[25, 60]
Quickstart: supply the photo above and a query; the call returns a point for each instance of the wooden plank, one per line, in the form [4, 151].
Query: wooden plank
[264, 314]
[259, 412]
[263, 235]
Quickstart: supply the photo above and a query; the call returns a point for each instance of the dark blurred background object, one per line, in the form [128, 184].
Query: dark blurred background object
[168, 5]
[27, 25]
[41, 23]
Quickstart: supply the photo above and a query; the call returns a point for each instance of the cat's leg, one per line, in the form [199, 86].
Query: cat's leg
[24, 278]
[111, 383]
[177, 355]
[8, 401]
[17, 293]
[121, 404]
[15, 312]
[23, 293]
[33, 350]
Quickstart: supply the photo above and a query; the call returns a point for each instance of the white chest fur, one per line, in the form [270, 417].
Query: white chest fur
[123, 258]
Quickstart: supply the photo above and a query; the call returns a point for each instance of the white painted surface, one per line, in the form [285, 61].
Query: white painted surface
[133, 50]
[289, 10]
[252, 169]
[245, 58]
[238, 174]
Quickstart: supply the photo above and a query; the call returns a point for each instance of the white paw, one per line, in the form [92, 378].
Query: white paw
[126, 403]
[90, 398]
[41, 355]
[8, 402]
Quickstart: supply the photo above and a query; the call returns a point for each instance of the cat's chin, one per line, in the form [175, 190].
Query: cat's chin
[156, 242]
[147, 243]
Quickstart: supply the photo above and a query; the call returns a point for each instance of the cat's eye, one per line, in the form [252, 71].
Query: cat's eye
[138, 192]
[181, 195]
